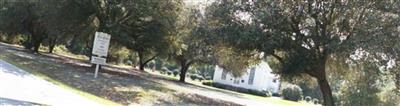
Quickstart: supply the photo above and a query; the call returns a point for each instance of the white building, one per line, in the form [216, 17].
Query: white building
[258, 77]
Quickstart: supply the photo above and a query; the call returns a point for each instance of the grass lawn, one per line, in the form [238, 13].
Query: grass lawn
[274, 100]
[37, 72]
[62, 85]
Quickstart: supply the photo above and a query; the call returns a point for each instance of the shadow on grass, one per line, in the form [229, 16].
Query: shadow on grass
[13, 102]
[81, 77]
[189, 85]
[10, 69]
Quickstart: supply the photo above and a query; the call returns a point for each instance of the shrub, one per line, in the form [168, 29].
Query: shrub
[169, 72]
[200, 78]
[208, 83]
[260, 93]
[237, 89]
[218, 85]
[196, 76]
[129, 62]
[13, 39]
[193, 76]
[164, 70]
[292, 92]
[276, 94]
[175, 73]
[171, 67]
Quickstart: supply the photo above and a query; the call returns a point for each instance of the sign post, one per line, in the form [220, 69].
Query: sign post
[100, 50]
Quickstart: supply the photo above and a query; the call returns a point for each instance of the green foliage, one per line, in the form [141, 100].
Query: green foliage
[169, 72]
[188, 45]
[362, 85]
[171, 66]
[193, 76]
[118, 53]
[175, 73]
[304, 35]
[292, 92]
[43, 21]
[238, 89]
[207, 82]
[390, 98]
[235, 61]
[204, 70]
[140, 25]
[13, 39]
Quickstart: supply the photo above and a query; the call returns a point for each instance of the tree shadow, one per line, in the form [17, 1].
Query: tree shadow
[13, 102]
[189, 85]
[81, 77]
[9, 68]
[79, 74]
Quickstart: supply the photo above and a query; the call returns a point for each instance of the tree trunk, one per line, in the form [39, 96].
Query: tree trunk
[51, 46]
[182, 75]
[36, 46]
[323, 83]
[320, 74]
[141, 65]
[185, 64]
[143, 62]
[326, 92]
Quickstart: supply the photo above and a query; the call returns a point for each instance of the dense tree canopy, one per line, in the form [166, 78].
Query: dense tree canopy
[303, 35]
[140, 25]
[334, 41]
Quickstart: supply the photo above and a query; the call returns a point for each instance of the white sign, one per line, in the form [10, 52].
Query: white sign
[98, 60]
[101, 43]
[100, 48]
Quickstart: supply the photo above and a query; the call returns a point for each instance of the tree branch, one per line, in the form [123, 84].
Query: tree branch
[280, 59]
[150, 59]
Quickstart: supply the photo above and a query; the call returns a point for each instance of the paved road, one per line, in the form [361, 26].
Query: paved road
[18, 87]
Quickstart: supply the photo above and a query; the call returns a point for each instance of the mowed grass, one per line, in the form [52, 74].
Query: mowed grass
[61, 84]
[61, 51]
[268, 100]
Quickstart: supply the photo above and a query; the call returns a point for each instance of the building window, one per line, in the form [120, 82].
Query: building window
[251, 76]
[224, 72]
[242, 81]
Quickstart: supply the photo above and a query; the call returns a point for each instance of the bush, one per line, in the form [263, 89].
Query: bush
[13, 39]
[200, 78]
[129, 62]
[292, 92]
[164, 70]
[196, 76]
[193, 76]
[260, 93]
[169, 72]
[276, 94]
[238, 89]
[208, 78]
[218, 85]
[208, 83]
[175, 73]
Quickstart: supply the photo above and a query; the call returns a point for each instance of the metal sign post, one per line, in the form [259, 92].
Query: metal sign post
[96, 71]
[100, 49]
